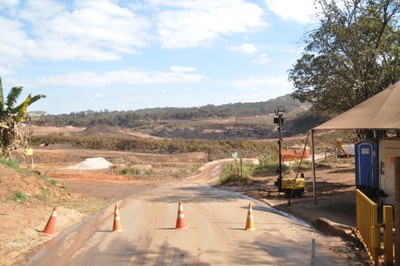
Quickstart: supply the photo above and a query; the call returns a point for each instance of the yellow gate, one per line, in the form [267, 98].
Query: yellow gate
[368, 228]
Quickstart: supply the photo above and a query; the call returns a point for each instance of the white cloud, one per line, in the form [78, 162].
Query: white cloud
[8, 3]
[39, 11]
[104, 31]
[262, 59]
[245, 48]
[103, 26]
[122, 77]
[99, 96]
[182, 69]
[14, 45]
[201, 23]
[300, 11]
[274, 85]
[91, 31]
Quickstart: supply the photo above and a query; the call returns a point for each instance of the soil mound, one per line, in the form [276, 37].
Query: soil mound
[92, 164]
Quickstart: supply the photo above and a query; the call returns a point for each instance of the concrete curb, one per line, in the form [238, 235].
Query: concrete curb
[338, 229]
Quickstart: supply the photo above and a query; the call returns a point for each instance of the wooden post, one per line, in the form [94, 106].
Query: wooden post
[237, 167]
[241, 167]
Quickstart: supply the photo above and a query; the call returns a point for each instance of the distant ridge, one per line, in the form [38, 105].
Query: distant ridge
[228, 121]
[130, 119]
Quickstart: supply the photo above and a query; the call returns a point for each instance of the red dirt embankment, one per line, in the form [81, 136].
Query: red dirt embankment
[26, 202]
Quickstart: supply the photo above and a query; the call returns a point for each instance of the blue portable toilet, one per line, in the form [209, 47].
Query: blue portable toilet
[366, 164]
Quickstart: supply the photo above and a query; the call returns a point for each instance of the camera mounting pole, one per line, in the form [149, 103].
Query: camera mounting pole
[278, 120]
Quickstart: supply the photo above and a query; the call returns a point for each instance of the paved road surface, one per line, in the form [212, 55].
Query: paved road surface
[215, 234]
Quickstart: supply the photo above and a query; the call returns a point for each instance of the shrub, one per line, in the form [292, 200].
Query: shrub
[51, 182]
[231, 173]
[19, 197]
[268, 167]
[149, 172]
[126, 171]
[130, 171]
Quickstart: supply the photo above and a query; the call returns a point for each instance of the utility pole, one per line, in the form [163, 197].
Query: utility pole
[278, 120]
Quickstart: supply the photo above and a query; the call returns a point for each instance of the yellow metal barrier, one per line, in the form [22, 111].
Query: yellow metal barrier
[388, 234]
[367, 224]
[368, 228]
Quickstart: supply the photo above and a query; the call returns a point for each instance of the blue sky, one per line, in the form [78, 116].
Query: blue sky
[129, 55]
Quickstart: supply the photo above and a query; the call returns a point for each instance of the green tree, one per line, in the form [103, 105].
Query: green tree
[353, 54]
[11, 115]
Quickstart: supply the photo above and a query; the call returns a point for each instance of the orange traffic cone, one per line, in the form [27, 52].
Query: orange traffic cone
[250, 219]
[180, 221]
[50, 227]
[117, 220]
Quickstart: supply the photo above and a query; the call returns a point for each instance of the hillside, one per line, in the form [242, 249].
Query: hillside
[229, 121]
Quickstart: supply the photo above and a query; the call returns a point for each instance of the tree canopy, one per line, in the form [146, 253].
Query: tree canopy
[353, 54]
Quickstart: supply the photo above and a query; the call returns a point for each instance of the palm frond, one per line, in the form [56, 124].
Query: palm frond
[36, 98]
[32, 100]
[22, 110]
[12, 98]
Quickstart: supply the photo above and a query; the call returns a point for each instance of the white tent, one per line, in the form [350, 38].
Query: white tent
[381, 111]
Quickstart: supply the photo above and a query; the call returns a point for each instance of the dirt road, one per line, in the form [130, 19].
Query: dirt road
[215, 234]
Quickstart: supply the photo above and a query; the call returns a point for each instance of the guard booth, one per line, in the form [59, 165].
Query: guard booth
[389, 149]
[367, 166]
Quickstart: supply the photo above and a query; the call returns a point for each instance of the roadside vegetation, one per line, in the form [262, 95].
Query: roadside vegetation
[13, 165]
[236, 172]
[130, 171]
[19, 197]
[244, 170]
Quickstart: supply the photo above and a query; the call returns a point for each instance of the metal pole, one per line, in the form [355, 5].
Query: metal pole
[297, 172]
[280, 151]
[313, 167]
[279, 121]
[313, 252]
